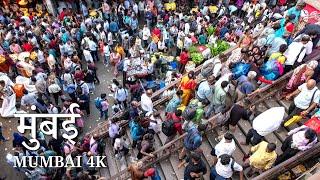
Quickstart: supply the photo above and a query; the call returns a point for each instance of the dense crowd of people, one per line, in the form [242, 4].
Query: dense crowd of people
[50, 62]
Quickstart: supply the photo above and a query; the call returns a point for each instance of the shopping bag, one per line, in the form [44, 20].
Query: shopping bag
[314, 123]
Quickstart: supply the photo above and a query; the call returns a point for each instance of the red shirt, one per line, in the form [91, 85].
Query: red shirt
[184, 57]
[156, 32]
[27, 47]
[177, 120]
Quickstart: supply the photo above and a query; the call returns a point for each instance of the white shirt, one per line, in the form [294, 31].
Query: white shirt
[303, 99]
[126, 64]
[225, 148]
[121, 94]
[40, 57]
[204, 90]
[92, 45]
[226, 170]
[87, 55]
[54, 88]
[186, 28]
[106, 50]
[265, 125]
[146, 103]
[292, 53]
[308, 46]
[146, 33]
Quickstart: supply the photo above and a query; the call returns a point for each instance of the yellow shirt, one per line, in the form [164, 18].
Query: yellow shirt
[278, 56]
[261, 159]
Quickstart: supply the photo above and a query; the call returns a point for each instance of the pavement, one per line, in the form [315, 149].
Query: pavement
[105, 75]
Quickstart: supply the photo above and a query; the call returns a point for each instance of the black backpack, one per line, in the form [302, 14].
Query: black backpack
[168, 127]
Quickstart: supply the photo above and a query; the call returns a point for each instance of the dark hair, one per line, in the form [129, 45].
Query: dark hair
[195, 156]
[202, 127]
[271, 146]
[224, 84]
[228, 136]
[283, 48]
[310, 134]
[179, 92]
[312, 32]
[25, 91]
[103, 95]
[178, 112]
[225, 159]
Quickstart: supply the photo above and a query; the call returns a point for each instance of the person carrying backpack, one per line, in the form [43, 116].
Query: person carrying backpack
[192, 140]
[102, 105]
[172, 125]
[224, 168]
[136, 131]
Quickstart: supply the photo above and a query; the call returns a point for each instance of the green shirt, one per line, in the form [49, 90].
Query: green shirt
[219, 96]
[202, 39]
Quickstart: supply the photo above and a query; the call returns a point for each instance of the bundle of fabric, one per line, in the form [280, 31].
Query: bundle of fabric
[271, 70]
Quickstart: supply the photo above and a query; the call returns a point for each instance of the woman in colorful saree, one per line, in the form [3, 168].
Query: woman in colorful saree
[300, 75]
[187, 85]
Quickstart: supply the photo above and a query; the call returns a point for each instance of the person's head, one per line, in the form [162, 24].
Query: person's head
[202, 127]
[149, 92]
[311, 83]
[211, 80]
[25, 92]
[271, 147]
[179, 92]
[312, 64]
[312, 33]
[95, 137]
[178, 112]
[310, 134]
[191, 75]
[283, 48]
[2, 83]
[135, 104]
[224, 84]
[228, 137]
[300, 5]
[251, 75]
[225, 159]
[195, 158]
[223, 57]
[305, 39]
[103, 95]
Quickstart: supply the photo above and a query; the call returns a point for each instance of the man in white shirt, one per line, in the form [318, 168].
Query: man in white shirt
[145, 35]
[187, 42]
[186, 28]
[225, 146]
[106, 51]
[307, 97]
[121, 96]
[146, 101]
[296, 52]
[93, 49]
[40, 56]
[225, 167]
[87, 56]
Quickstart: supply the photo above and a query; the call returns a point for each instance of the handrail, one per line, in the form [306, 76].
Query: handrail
[154, 95]
[211, 120]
